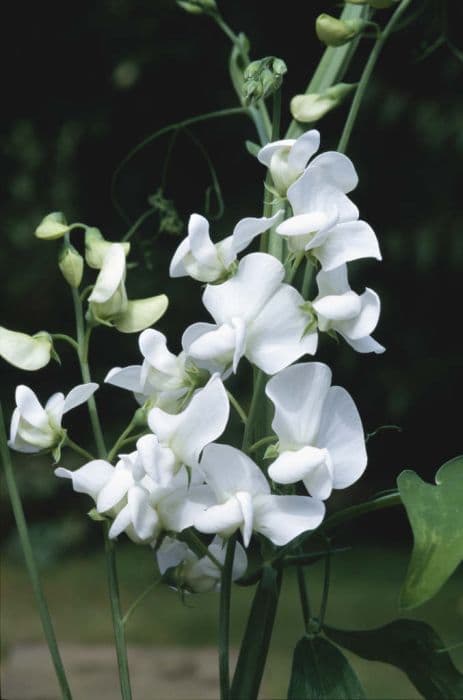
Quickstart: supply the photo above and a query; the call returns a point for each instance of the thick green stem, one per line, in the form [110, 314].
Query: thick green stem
[367, 71]
[31, 565]
[224, 620]
[304, 598]
[256, 401]
[118, 620]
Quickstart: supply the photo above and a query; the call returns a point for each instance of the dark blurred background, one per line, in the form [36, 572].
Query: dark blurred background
[90, 80]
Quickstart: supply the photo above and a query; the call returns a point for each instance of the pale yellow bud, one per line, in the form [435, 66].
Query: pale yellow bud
[52, 226]
[312, 107]
[336, 32]
[71, 264]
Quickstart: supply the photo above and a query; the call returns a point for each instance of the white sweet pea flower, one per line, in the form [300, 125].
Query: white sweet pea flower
[164, 379]
[256, 315]
[34, 427]
[195, 574]
[202, 421]
[144, 492]
[287, 159]
[321, 440]
[245, 502]
[108, 302]
[205, 261]
[325, 221]
[29, 352]
[352, 315]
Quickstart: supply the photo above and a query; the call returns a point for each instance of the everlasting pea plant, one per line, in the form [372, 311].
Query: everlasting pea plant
[172, 482]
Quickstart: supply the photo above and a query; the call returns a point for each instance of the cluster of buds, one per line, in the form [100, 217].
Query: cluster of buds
[262, 78]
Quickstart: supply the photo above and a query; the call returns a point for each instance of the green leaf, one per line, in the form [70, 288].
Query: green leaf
[414, 648]
[252, 148]
[436, 518]
[321, 672]
[256, 640]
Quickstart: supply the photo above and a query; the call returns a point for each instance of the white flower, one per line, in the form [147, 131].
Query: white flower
[144, 492]
[163, 378]
[108, 302]
[256, 316]
[352, 315]
[199, 575]
[202, 421]
[325, 221]
[29, 352]
[320, 433]
[245, 502]
[288, 158]
[35, 428]
[205, 261]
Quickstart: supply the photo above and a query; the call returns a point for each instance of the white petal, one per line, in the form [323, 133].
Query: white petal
[158, 462]
[277, 337]
[153, 347]
[16, 442]
[293, 465]
[298, 394]
[339, 307]
[341, 433]
[245, 501]
[201, 246]
[120, 523]
[90, 478]
[240, 561]
[364, 345]
[247, 229]
[180, 509]
[332, 282]
[125, 378]
[177, 265]
[314, 192]
[141, 313]
[171, 553]
[282, 518]
[111, 274]
[366, 320]
[338, 168]
[80, 394]
[348, 241]
[224, 519]
[303, 149]
[319, 482]
[203, 420]
[28, 352]
[214, 348]
[266, 153]
[55, 407]
[30, 407]
[243, 296]
[304, 224]
[228, 470]
[144, 519]
[115, 490]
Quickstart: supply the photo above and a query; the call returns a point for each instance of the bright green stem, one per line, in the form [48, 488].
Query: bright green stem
[66, 338]
[118, 620]
[224, 620]
[83, 340]
[77, 448]
[122, 438]
[31, 565]
[261, 443]
[367, 71]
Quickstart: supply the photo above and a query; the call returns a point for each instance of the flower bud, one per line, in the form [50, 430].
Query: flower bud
[71, 264]
[312, 107]
[28, 352]
[52, 226]
[336, 32]
[198, 7]
[262, 78]
[96, 247]
[376, 4]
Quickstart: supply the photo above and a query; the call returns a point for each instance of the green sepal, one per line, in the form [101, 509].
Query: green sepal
[271, 452]
[94, 515]
[252, 148]
[413, 647]
[436, 518]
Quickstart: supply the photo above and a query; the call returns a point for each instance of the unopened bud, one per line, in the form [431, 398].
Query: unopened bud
[336, 32]
[71, 264]
[96, 247]
[262, 78]
[312, 107]
[198, 7]
[52, 226]
[376, 4]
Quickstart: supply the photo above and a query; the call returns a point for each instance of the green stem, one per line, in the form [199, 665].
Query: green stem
[31, 564]
[118, 620]
[343, 516]
[261, 443]
[139, 222]
[255, 404]
[326, 588]
[77, 448]
[67, 339]
[304, 598]
[138, 600]
[307, 280]
[367, 71]
[238, 408]
[224, 620]
[198, 547]
[294, 267]
[122, 438]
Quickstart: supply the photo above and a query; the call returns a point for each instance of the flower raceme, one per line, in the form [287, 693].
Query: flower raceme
[35, 428]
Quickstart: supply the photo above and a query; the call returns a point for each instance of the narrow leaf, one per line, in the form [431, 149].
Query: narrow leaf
[414, 648]
[436, 518]
[321, 672]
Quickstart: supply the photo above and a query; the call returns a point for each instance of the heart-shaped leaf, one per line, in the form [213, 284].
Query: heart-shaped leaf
[412, 646]
[436, 518]
[321, 672]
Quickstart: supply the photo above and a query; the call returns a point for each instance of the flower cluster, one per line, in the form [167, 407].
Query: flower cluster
[179, 477]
